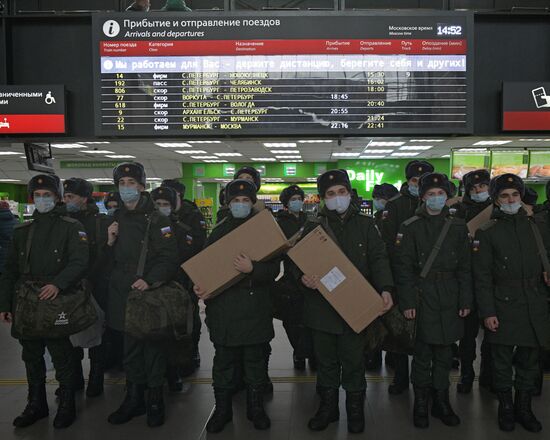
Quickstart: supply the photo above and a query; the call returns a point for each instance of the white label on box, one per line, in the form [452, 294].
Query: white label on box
[333, 279]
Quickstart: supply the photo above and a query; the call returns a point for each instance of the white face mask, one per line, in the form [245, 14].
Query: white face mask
[165, 210]
[340, 204]
[480, 197]
[510, 208]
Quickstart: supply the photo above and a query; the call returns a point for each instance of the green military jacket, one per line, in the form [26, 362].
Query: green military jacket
[161, 263]
[289, 223]
[360, 240]
[448, 286]
[509, 279]
[58, 253]
[96, 225]
[189, 214]
[398, 209]
[243, 313]
[468, 209]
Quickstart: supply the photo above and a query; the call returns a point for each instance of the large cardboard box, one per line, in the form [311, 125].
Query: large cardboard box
[343, 286]
[260, 238]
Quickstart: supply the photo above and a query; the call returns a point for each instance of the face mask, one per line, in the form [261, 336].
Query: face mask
[480, 197]
[340, 204]
[72, 207]
[111, 212]
[295, 205]
[128, 194]
[436, 203]
[240, 210]
[380, 204]
[44, 204]
[510, 208]
[413, 189]
[165, 210]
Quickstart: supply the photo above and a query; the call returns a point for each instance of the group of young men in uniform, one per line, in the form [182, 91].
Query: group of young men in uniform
[416, 251]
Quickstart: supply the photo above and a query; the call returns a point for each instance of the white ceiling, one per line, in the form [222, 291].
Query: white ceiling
[162, 162]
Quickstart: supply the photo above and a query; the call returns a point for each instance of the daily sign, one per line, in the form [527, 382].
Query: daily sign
[32, 109]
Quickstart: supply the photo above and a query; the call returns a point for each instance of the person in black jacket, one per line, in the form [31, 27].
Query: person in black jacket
[7, 223]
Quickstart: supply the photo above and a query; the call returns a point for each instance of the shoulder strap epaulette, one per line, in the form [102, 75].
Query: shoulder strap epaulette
[411, 220]
[223, 220]
[24, 224]
[68, 219]
[184, 226]
[489, 224]
[395, 197]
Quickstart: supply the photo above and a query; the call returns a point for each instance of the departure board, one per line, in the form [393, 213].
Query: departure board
[235, 74]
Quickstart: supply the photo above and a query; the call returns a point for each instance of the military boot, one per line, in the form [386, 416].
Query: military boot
[506, 420]
[155, 407]
[66, 411]
[467, 377]
[36, 409]
[97, 369]
[523, 412]
[79, 382]
[223, 412]
[420, 409]
[132, 406]
[355, 409]
[255, 411]
[328, 411]
[400, 381]
[442, 409]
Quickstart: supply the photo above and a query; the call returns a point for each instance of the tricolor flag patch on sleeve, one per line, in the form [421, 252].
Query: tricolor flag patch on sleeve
[203, 224]
[83, 236]
[166, 232]
[189, 239]
[475, 245]
[398, 239]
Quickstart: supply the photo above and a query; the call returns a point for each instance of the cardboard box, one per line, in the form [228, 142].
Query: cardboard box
[260, 238]
[479, 220]
[342, 285]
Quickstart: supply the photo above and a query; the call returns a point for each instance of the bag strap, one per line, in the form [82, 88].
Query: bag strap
[27, 268]
[97, 232]
[144, 249]
[330, 232]
[436, 248]
[540, 246]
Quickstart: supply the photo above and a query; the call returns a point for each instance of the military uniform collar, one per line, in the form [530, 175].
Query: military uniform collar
[499, 214]
[145, 205]
[333, 215]
[422, 211]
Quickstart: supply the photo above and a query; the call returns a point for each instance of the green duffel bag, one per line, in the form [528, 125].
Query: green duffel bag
[70, 312]
[160, 312]
[391, 332]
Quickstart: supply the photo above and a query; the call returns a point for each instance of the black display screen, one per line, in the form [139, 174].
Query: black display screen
[282, 74]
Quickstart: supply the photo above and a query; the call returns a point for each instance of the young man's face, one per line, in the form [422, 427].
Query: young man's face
[335, 191]
[479, 188]
[130, 182]
[74, 199]
[161, 203]
[242, 199]
[295, 197]
[434, 192]
[508, 196]
[44, 193]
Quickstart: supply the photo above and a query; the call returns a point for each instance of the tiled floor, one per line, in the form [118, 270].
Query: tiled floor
[292, 404]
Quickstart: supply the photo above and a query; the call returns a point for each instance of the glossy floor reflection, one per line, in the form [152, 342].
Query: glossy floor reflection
[292, 404]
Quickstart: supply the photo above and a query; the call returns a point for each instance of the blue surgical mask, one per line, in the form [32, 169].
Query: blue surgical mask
[240, 210]
[128, 194]
[72, 207]
[295, 205]
[111, 211]
[413, 189]
[44, 204]
[380, 204]
[480, 197]
[436, 203]
[165, 210]
[340, 204]
[510, 208]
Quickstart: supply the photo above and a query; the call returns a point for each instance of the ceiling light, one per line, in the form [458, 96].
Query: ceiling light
[473, 149]
[385, 144]
[427, 140]
[263, 159]
[190, 152]
[534, 140]
[228, 154]
[371, 157]
[98, 152]
[445, 156]
[174, 145]
[492, 142]
[368, 151]
[204, 157]
[120, 156]
[9, 153]
[416, 148]
[404, 154]
[216, 161]
[67, 146]
[280, 144]
[288, 157]
[346, 154]
[94, 143]
[285, 151]
[154, 178]
[292, 161]
[315, 141]
[9, 180]
[205, 142]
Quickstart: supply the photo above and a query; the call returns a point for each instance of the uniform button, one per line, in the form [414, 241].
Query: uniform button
[59, 260]
[506, 298]
[55, 251]
[22, 253]
[251, 293]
